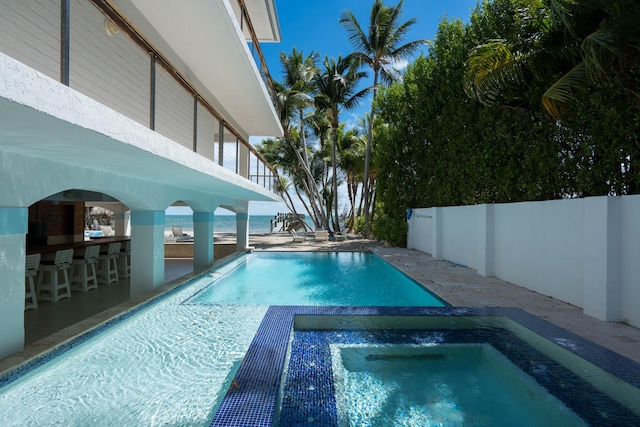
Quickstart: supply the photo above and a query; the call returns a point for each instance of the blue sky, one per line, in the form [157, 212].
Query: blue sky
[312, 25]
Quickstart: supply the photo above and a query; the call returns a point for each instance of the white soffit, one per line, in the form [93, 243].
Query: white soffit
[263, 18]
[207, 37]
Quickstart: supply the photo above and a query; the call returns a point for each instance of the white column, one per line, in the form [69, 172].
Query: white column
[485, 232]
[13, 228]
[436, 233]
[122, 223]
[147, 251]
[602, 294]
[202, 239]
[242, 231]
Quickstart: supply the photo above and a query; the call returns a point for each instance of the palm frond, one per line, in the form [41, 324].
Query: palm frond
[562, 90]
[491, 68]
[355, 34]
[596, 49]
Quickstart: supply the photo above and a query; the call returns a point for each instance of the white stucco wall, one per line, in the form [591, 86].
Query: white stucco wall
[459, 225]
[630, 260]
[538, 245]
[581, 251]
[420, 230]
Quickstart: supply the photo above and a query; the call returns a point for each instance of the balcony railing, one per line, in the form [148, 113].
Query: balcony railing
[176, 108]
[256, 50]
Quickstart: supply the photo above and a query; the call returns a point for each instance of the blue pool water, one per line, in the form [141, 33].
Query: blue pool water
[169, 362]
[446, 384]
[316, 278]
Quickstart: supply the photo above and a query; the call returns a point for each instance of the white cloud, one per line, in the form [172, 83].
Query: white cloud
[400, 64]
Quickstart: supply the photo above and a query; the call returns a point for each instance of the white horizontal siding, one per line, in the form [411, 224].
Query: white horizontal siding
[111, 69]
[229, 156]
[30, 33]
[174, 110]
[207, 130]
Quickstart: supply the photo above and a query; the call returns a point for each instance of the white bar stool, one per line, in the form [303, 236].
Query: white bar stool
[125, 261]
[108, 264]
[32, 264]
[83, 270]
[54, 289]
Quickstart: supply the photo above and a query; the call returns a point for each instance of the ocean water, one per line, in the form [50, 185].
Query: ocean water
[258, 224]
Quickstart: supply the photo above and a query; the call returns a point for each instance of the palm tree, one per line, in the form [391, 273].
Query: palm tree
[336, 88]
[379, 48]
[295, 97]
[320, 124]
[281, 154]
[586, 41]
[351, 147]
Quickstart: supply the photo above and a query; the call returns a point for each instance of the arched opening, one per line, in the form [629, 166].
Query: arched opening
[178, 240]
[80, 222]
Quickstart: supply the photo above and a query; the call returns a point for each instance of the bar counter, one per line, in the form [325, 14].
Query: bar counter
[76, 246]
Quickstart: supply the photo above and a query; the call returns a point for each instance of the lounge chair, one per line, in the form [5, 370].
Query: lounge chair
[321, 235]
[179, 235]
[177, 231]
[297, 238]
[340, 237]
[107, 231]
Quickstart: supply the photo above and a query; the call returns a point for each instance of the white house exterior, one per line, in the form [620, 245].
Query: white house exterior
[140, 103]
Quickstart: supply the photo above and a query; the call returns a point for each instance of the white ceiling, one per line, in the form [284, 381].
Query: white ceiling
[263, 17]
[206, 36]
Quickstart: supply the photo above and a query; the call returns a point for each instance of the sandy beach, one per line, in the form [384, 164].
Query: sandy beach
[284, 242]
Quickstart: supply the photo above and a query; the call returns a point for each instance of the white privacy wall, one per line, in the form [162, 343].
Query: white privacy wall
[630, 259]
[582, 251]
[538, 245]
[459, 224]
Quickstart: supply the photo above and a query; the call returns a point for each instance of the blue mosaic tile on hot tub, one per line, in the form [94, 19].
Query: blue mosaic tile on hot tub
[310, 396]
[300, 408]
[311, 401]
[252, 401]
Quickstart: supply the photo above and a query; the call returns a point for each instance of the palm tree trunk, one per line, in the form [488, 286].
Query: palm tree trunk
[349, 225]
[367, 159]
[309, 183]
[334, 164]
[373, 208]
[359, 213]
[312, 182]
[311, 212]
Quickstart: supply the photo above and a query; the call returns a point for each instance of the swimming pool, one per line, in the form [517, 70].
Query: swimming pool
[167, 362]
[315, 278]
[583, 384]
